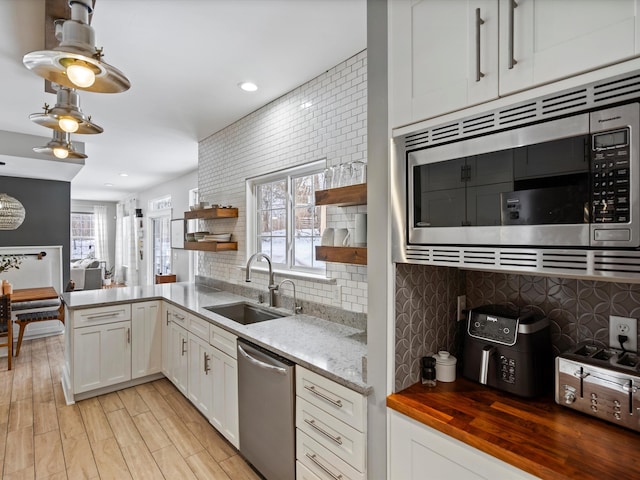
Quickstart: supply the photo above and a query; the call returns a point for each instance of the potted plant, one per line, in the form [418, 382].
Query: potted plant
[108, 275]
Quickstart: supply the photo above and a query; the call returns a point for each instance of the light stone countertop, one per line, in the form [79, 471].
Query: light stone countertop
[333, 350]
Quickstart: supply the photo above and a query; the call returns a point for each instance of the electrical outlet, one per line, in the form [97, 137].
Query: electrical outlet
[623, 326]
[462, 306]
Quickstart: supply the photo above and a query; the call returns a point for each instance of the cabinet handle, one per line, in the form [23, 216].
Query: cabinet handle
[322, 467]
[479, 23]
[313, 390]
[312, 423]
[206, 364]
[184, 346]
[102, 315]
[128, 335]
[167, 317]
[512, 7]
[179, 317]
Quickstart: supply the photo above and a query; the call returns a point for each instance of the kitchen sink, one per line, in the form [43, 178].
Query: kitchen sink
[244, 313]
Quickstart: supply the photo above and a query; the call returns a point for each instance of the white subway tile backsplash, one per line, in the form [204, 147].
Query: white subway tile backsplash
[279, 135]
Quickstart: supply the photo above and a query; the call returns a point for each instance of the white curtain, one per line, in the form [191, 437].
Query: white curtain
[101, 234]
[127, 263]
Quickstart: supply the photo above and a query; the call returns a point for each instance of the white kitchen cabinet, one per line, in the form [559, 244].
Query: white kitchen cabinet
[166, 311]
[331, 436]
[224, 415]
[146, 329]
[417, 451]
[102, 355]
[200, 373]
[551, 39]
[448, 55]
[178, 357]
[443, 56]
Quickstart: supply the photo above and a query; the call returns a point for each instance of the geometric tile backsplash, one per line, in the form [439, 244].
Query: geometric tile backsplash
[426, 302]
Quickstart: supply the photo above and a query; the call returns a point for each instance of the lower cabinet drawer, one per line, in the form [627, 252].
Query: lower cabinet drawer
[198, 327]
[303, 473]
[335, 399]
[101, 315]
[321, 462]
[223, 340]
[338, 437]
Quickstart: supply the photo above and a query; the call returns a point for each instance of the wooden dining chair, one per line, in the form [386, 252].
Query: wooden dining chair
[5, 326]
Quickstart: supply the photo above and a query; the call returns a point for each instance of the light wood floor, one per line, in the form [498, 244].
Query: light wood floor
[148, 431]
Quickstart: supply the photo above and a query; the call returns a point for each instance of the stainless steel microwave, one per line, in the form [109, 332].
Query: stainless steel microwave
[567, 182]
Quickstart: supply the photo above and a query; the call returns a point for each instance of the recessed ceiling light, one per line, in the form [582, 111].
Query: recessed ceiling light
[248, 86]
[123, 174]
[108, 184]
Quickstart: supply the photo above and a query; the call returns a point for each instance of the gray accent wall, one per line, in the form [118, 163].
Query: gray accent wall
[47, 222]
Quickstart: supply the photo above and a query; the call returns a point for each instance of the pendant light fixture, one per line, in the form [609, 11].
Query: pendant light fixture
[11, 212]
[76, 62]
[60, 146]
[66, 116]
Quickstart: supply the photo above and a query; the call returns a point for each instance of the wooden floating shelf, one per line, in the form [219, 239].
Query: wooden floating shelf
[355, 255]
[211, 246]
[343, 196]
[211, 213]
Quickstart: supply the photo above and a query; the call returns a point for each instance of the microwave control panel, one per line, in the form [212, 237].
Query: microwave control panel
[610, 162]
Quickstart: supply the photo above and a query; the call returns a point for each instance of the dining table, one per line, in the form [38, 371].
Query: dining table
[33, 294]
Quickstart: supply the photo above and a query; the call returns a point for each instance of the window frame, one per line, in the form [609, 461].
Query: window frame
[288, 174]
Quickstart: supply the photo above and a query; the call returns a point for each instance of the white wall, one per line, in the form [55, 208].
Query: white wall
[179, 191]
[324, 118]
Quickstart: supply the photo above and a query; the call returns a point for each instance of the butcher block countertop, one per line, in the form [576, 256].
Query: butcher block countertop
[545, 439]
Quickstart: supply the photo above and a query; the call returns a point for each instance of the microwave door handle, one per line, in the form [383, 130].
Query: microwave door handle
[479, 22]
[487, 351]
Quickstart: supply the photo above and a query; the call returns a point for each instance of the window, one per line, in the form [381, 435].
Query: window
[287, 223]
[160, 225]
[83, 238]
[161, 244]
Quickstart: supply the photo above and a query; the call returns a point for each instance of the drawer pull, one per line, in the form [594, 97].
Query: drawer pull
[322, 467]
[179, 317]
[102, 315]
[312, 389]
[312, 423]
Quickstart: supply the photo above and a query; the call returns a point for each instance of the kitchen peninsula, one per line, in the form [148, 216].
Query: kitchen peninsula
[329, 349]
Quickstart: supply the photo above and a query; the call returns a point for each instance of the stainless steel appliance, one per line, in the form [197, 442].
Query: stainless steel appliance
[266, 397]
[602, 382]
[566, 182]
[509, 350]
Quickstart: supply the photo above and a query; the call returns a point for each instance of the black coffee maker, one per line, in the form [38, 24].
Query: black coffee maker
[508, 349]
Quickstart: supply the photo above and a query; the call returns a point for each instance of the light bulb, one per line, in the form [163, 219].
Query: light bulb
[68, 124]
[80, 75]
[61, 152]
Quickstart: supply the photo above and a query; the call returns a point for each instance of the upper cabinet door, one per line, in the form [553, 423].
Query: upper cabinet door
[547, 40]
[443, 56]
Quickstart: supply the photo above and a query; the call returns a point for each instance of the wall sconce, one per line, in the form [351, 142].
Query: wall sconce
[11, 212]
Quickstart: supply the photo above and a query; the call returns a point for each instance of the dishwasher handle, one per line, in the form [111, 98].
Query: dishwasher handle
[260, 364]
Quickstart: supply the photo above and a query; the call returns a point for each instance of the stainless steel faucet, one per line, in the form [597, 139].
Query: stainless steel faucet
[272, 284]
[296, 309]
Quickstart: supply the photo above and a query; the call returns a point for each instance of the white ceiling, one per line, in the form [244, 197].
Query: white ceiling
[184, 59]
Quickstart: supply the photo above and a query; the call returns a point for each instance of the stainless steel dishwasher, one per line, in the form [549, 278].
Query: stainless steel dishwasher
[266, 407]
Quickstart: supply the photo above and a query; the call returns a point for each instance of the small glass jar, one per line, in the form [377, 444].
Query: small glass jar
[428, 371]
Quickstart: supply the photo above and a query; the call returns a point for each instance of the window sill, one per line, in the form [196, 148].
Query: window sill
[292, 274]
